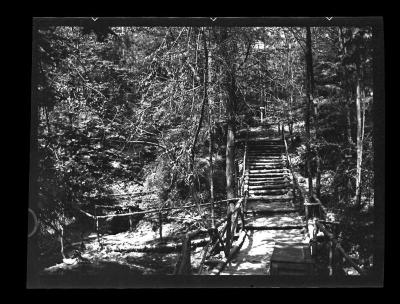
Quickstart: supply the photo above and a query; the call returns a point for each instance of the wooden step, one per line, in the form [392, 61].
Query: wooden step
[266, 162]
[268, 192]
[283, 227]
[264, 139]
[266, 144]
[264, 148]
[269, 207]
[283, 170]
[265, 157]
[267, 175]
[275, 221]
[290, 258]
[266, 167]
[270, 198]
[267, 183]
[257, 163]
[267, 186]
[270, 180]
[264, 153]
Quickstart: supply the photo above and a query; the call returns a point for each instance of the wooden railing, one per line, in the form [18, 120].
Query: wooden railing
[333, 244]
[316, 213]
[222, 234]
[299, 193]
[161, 212]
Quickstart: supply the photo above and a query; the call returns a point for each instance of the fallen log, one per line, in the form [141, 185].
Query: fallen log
[165, 248]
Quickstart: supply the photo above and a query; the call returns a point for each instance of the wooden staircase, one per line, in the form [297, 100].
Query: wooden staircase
[267, 181]
[270, 214]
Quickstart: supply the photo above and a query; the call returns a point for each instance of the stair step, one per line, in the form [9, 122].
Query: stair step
[264, 148]
[269, 207]
[270, 198]
[285, 227]
[265, 161]
[269, 170]
[268, 183]
[264, 152]
[266, 144]
[266, 167]
[267, 175]
[264, 140]
[266, 164]
[270, 180]
[266, 187]
[268, 192]
[265, 157]
[276, 221]
[268, 149]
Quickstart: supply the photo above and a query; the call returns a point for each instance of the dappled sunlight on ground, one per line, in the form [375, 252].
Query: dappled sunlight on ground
[277, 220]
[255, 254]
[117, 249]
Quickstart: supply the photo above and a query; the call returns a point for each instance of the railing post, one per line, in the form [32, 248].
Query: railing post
[97, 226]
[185, 266]
[330, 268]
[130, 220]
[307, 214]
[160, 219]
[228, 234]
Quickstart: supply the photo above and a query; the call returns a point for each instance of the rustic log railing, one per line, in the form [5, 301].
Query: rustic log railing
[316, 213]
[160, 212]
[230, 230]
[298, 191]
[334, 244]
[218, 235]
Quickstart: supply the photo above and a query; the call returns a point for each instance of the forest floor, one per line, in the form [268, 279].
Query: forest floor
[141, 251]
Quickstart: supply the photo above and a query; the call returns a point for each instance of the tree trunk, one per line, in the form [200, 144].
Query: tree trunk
[62, 241]
[207, 80]
[309, 89]
[193, 189]
[346, 90]
[359, 107]
[230, 87]
[230, 161]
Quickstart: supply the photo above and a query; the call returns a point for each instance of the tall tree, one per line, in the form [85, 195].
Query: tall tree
[309, 90]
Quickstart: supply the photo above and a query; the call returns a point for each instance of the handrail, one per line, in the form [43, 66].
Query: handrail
[296, 186]
[337, 245]
[163, 210]
[334, 243]
[183, 265]
[244, 165]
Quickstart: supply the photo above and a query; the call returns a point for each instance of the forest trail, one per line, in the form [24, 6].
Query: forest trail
[271, 216]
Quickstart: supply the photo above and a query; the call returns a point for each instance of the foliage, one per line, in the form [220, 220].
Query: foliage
[122, 104]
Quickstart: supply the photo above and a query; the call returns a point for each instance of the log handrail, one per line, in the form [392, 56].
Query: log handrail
[336, 243]
[162, 210]
[183, 265]
[296, 186]
[322, 213]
